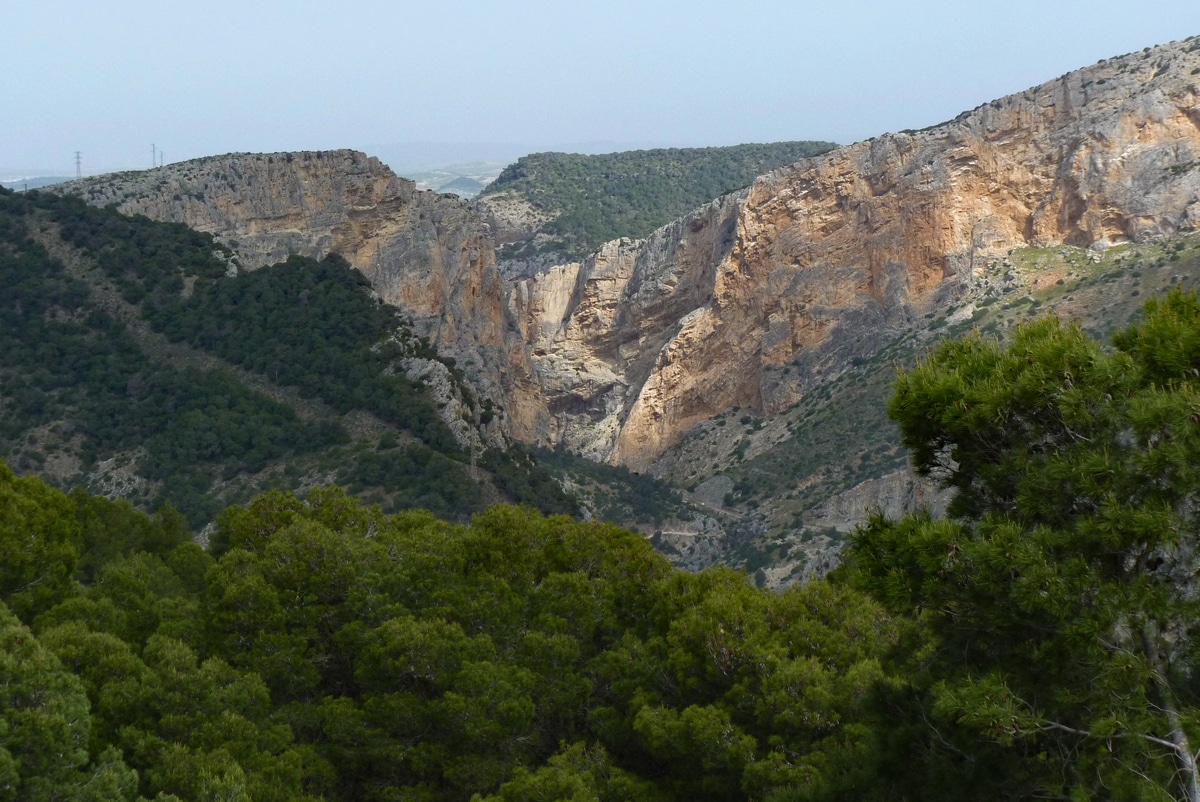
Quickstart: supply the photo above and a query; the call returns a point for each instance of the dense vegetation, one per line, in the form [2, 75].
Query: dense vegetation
[82, 373]
[1059, 597]
[614, 492]
[68, 363]
[597, 198]
[324, 650]
[1038, 644]
[313, 326]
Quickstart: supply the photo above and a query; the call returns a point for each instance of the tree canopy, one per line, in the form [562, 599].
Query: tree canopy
[321, 649]
[1058, 598]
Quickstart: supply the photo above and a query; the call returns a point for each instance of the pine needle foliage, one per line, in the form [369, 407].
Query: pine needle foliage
[1059, 596]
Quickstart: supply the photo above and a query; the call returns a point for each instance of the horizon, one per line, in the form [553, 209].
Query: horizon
[467, 155]
[119, 85]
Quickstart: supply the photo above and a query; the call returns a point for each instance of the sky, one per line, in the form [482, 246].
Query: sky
[116, 79]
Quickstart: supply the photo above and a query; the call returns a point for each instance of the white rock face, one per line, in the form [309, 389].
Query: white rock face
[460, 414]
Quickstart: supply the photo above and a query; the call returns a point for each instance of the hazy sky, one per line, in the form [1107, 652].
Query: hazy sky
[113, 77]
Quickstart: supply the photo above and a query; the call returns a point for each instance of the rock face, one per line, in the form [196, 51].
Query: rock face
[600, 336]
[645, 339]
[429, 254]
[457, 411]
[892, 495]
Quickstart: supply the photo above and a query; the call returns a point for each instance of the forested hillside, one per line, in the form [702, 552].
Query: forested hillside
[1039, 644]
[591, 199]
[136, 358]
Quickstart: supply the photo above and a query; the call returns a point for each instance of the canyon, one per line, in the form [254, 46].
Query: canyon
[749, 304]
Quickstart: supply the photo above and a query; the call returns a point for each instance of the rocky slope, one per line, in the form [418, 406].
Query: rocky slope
[427, 253]
[755, 299]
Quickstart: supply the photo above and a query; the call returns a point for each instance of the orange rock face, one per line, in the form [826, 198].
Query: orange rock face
[644, 340]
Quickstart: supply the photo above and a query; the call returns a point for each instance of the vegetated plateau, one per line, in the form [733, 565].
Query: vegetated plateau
[578, 202]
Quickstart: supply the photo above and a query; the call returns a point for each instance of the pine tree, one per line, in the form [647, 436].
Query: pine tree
[1060, 594]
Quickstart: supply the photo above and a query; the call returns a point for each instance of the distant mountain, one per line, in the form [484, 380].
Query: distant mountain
[406, 158]
[34, 182]
[464, 180]
[463, 187]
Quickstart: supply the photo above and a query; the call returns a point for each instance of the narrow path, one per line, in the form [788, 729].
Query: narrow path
[692, 499]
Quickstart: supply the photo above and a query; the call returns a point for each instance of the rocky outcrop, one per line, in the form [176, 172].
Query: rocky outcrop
[429, 254]
[268, 205]
[473, 429]
[809, 266]
[892, 495]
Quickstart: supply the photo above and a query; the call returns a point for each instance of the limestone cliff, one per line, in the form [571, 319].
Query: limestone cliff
[808, 267]
[597, 332]
[429, 254]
